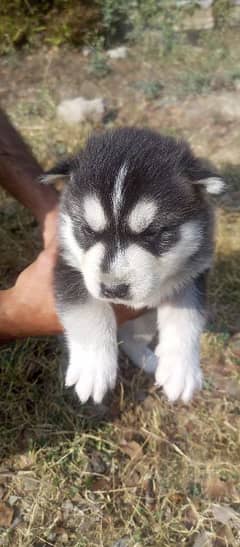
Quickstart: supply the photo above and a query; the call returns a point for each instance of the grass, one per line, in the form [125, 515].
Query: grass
[136, 467]
[134, 471]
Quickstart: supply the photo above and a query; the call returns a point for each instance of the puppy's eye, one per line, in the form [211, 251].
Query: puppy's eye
[164, 234]
[167, 235]
[150, 232]
[165, 231]
[88, 231]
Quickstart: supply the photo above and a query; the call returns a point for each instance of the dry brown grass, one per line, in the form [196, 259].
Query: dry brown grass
[135, 471]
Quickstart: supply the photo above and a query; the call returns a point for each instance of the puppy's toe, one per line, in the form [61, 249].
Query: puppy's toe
[193, 383]
[179, 379]
[173, 387]
[84, 387]
[162, 375]
[99, 391]
[72, 375]
[104, 381]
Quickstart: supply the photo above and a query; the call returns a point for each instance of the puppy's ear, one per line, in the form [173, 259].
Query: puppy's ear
[213, 184]
[201, 173]
[61, 171]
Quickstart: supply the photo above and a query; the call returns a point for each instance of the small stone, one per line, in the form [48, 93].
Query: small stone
[79, 110]
[123, 542]
[64, 538]
[30, 484]
[67, 509]
[12, 500]
[229, 106]
[202, 540]
[117, 53]
[233, 389]
[52, 536]
[205, 3]
[97, 464]
[86, 51]
[224, 514]
[199, 20]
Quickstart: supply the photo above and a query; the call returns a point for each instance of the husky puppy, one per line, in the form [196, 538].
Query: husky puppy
[136, 228]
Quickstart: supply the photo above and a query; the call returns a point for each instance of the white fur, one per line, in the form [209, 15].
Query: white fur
[135, 336]
[142, 215]
[188, 244]
[88, 262]
[180, 325]
[92, 343]
[93, 367]
[213, 185]
[153, 278]
[150, 278]
[91, 268]
[118, 190]
[73, 253]
[94, 214]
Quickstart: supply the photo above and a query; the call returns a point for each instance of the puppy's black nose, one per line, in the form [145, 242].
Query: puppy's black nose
[117, 291]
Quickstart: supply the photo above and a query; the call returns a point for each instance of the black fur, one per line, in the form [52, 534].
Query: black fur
[172, 277]
[158, 167]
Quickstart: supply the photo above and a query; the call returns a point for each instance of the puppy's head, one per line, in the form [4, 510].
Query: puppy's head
[135, 218]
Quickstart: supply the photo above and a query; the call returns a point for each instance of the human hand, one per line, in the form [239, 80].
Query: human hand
[29, 306]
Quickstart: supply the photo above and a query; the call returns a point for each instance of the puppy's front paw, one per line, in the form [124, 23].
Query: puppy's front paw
[178, 376]
[92, 373]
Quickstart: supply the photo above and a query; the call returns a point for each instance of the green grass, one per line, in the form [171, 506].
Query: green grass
[135, 468]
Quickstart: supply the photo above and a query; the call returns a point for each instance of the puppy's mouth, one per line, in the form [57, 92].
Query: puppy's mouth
[120, 291]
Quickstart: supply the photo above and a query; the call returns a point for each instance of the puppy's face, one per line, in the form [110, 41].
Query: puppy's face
[134, 218]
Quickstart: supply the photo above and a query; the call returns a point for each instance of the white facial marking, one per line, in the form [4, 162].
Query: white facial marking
[92, 365]
[152, 278]
[213, 185]
[142, 215]
[180, 324]
[94, 214]
[136, 267]
[72, 251]
[188, 244]
[118, 190]
[91, 268]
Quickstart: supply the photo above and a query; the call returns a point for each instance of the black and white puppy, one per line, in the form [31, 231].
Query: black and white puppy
[136, 228]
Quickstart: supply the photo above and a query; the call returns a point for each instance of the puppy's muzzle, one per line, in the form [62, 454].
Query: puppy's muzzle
[115, 291]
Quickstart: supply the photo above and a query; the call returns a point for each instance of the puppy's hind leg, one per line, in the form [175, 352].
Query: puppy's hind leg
[135, 338]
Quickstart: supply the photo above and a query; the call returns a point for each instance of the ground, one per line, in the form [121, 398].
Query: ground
[135, 471]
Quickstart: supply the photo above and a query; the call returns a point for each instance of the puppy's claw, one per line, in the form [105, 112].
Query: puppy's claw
[179, 381]
[93, 374]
